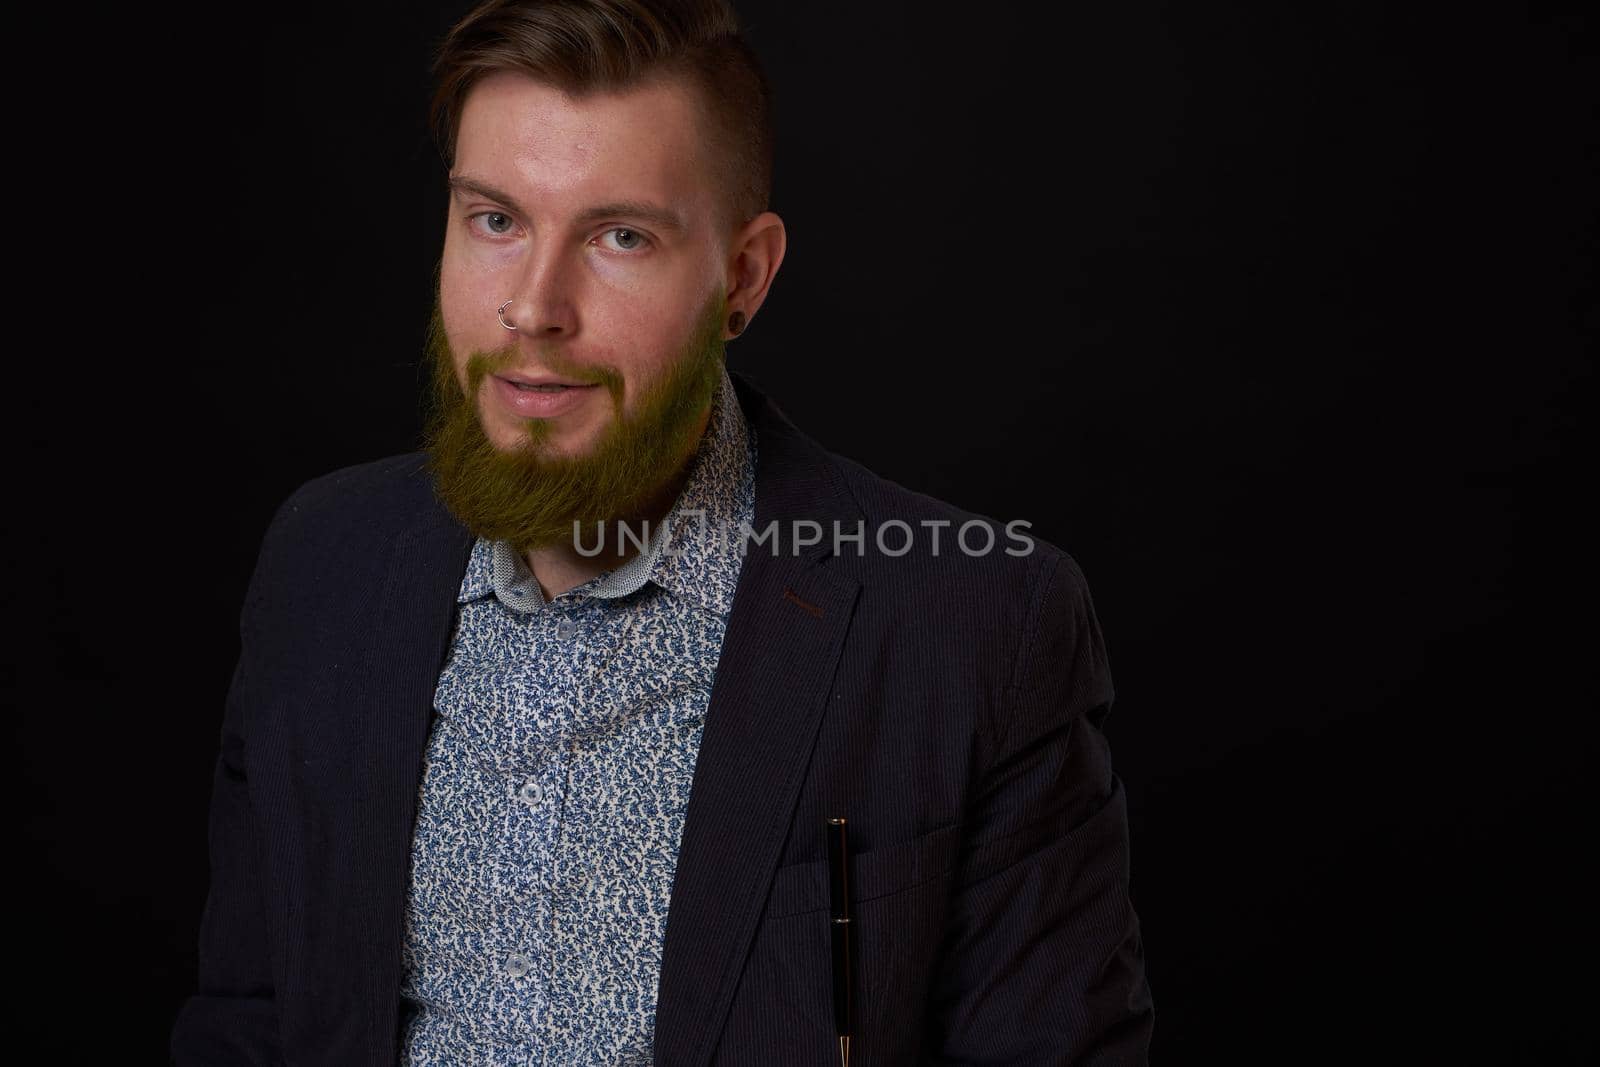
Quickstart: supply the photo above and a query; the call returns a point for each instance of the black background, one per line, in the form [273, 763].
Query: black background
[1277, 317]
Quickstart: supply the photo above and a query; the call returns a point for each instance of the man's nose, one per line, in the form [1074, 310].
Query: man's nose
[543, 301]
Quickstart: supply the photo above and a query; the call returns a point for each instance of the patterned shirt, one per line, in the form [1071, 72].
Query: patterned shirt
[555, 783]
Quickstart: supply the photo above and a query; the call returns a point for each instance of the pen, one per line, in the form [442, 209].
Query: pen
[839, 894]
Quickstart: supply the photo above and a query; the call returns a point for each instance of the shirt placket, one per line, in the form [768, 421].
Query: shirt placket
[536, 809]
[605, 744]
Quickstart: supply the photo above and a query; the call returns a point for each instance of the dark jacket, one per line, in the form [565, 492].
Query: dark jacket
[950, 705]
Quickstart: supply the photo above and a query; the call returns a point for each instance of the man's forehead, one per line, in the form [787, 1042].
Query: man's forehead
[517, 113]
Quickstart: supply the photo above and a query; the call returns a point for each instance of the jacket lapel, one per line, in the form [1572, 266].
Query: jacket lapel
[391, 712]
[784, 637]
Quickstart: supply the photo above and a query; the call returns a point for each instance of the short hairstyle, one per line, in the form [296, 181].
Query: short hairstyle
[587, 46]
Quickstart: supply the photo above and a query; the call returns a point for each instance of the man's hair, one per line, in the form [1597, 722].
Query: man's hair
[588, 46]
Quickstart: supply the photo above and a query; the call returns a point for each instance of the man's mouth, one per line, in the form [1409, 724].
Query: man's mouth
[540, 396]
[526, 388]
[542, 385]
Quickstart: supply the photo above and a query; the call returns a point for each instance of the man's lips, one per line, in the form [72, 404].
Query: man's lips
[530, 396]
[540, 379]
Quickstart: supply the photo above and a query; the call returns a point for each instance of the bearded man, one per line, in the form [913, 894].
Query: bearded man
[535, 735]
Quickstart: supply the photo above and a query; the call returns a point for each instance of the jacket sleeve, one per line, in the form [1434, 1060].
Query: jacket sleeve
[1042, 961]
[232, 1017]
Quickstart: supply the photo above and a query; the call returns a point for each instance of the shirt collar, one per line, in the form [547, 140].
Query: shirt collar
[696, 552]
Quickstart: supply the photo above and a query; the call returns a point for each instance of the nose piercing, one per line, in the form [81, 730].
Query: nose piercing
[502, 314]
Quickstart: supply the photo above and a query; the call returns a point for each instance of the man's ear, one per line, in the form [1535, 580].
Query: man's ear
[753, 261]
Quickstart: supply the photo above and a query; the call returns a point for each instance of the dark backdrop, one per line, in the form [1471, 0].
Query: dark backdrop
[1275, 316]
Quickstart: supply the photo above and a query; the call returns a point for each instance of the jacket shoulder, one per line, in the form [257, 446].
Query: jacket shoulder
[331, 525]
[1009, 613]
[372, 498]
[987, 581]
[949, 542]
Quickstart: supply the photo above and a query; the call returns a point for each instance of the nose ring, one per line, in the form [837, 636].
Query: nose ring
[502, 314]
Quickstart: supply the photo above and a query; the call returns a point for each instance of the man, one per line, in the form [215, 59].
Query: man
[534, 735]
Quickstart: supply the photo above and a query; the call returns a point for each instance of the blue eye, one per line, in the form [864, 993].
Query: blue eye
[639, 239]
[495, 215]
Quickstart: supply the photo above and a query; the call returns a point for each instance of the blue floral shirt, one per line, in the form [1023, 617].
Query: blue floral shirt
[555, 783]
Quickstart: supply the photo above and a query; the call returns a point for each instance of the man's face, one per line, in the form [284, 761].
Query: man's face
[606, 300]
[593, 219]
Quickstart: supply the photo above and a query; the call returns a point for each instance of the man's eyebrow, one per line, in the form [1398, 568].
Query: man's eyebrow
[662, 217]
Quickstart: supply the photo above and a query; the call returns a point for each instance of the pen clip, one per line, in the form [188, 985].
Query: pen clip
[840, 931]
[838, 868]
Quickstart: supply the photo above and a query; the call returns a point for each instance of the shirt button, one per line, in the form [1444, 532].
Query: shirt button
[530, 792]
[518, 965]
[566, 629]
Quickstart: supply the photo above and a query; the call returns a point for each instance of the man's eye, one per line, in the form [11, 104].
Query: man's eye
[495, 220]
[632, 240]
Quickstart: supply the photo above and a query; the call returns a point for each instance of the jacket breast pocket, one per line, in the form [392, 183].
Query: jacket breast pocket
[879, 872]
[785, 1001]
